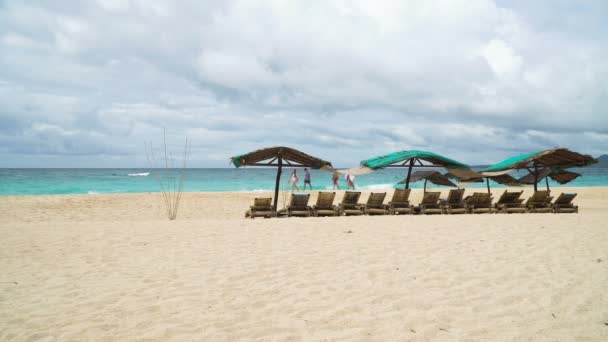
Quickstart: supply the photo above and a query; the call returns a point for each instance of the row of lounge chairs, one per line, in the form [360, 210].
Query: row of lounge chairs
[456, 203]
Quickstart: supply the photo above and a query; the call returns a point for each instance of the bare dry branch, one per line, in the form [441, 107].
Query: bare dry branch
[170, 179]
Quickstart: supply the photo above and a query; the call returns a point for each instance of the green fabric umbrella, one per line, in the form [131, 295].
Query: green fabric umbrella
[536, 162]
[411, 159]
[508, 163]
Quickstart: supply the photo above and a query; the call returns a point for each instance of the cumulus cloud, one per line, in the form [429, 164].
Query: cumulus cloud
[477, 80]
[501, 58]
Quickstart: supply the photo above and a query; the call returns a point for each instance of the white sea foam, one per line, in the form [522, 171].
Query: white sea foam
[91, 192]
[142, 174]
[386, 186]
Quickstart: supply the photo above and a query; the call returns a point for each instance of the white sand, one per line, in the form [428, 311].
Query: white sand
[110, 267]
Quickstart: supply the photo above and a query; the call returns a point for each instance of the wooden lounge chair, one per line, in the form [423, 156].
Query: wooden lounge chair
[455, 202]
[563, 204]
[539, 202]
[325, 205]
[374, 205]
[400, 203]
[262, 207]
[479, 202]
[298, 205]
[430, 203]
[349, 204]
[509, 202]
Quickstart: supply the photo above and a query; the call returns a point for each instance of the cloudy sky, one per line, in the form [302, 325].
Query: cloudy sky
[88, 83]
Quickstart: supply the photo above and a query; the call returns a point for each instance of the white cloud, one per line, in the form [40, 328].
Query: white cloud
[114, 5]
[234, 71]
[344, 79]
[501, 58]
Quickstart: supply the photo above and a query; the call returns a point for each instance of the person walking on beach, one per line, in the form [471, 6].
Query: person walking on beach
[307, 178]
[336, 178]
[294, 180]
[350, 181]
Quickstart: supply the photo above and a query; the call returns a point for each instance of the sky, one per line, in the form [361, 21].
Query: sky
[90, 83]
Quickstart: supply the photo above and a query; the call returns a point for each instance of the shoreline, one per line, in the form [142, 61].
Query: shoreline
[493, 189]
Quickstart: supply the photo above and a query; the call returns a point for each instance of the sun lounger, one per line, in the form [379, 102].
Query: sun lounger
[298, 205]
[349, 204]
[375, 205]
[262, 207]
[325, 205]
[400, 203]
[479, 202]
[430, 203]
[563, 204]
[455, 202]
[539, 202]
[509, 202]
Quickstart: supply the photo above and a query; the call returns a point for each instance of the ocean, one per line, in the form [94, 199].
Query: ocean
[106, 181]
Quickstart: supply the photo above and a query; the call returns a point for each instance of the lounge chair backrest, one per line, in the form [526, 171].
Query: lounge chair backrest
[262, 203]
[401, 196]
[480, 199]
[299, 200]
[351, 199]
[430, 198]
[325, 199]
[455, 196]
[564, 199]
[510, 197]
[539, 197]
[375, 199]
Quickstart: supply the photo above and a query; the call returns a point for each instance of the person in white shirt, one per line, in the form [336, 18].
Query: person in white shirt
[350, 181]
[293, 180]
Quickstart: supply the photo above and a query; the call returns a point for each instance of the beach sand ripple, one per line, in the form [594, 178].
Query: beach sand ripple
[109, 267]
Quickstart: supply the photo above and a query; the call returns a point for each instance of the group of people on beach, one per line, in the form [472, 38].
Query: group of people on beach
[294, 180]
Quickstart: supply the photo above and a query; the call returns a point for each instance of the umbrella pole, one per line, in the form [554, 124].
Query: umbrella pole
[276, 187]
[425, 185]
[409, 173]
[547, 183]
[488, 183]
[535, 178]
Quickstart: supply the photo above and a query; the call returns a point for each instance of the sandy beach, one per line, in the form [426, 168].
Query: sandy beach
[112, 268]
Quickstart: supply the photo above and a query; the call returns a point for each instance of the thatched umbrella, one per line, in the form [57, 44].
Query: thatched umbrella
[538, 162]
[276, 156]
[559, 175]
[411, 159]
[563, 176]
[434, 177]
[467, 177]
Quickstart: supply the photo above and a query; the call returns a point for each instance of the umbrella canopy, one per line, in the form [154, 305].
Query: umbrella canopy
[466, 177]
[432, 176]
[289, 155]
[411, 159]
[563, 176]
[506, 180]
[276, 156]
[559, 175]
[557, 157]
[530, 178]
[535, 162]
[388, 160]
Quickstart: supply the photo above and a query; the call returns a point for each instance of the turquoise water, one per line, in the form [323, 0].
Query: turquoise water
[93, 181]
